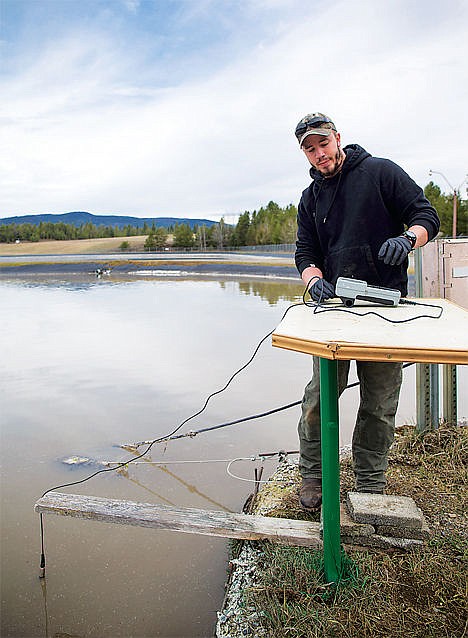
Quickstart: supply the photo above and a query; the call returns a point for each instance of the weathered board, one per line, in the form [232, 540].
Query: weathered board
[188, 520]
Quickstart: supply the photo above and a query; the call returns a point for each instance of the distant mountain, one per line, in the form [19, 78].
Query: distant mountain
[79, 218]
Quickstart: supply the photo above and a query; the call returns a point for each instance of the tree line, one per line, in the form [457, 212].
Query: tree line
[59, 231]
[271, 224]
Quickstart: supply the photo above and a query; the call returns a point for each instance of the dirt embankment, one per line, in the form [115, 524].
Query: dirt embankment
[93, 256]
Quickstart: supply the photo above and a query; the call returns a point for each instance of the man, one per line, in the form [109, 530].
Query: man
[351, 223]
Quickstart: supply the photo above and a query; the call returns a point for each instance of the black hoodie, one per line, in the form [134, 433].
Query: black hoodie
[344, 220]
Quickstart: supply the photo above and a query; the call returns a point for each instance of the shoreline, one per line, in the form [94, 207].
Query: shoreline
[175, 265]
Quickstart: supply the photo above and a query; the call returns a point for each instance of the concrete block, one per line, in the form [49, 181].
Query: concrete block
[348, 527]
[384, 509]
[381, 542]
[404, 532]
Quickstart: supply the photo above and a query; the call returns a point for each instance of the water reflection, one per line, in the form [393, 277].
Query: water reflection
[271, 292]
[46, 283]
[193, 489]
[162, 466]
[123, 471]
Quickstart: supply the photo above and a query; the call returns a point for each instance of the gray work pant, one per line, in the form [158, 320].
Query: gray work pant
[374, 430]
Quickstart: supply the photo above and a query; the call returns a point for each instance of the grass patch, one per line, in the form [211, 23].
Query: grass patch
[72, 246]
[420, 593]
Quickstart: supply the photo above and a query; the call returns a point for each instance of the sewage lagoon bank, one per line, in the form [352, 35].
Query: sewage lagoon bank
[386, 591]
[433, 592]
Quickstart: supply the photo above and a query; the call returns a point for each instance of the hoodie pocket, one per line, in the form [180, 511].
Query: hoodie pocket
[355, 262]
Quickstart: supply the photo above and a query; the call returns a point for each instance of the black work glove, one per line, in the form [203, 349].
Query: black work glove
[395, 250]
[322, 290]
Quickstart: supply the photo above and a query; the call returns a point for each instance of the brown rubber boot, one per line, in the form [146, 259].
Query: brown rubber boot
[310, 494]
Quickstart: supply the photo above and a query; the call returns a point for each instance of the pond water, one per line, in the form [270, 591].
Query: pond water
[89, 364]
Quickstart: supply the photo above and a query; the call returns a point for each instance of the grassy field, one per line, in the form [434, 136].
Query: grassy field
[73, 246]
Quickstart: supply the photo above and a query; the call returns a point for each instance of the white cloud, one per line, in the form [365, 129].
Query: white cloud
[86, 128]
[132, 5]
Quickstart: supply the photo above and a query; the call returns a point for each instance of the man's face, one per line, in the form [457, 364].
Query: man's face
[323, 153]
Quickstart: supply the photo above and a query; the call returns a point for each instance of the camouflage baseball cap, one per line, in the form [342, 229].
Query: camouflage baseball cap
[314, 124]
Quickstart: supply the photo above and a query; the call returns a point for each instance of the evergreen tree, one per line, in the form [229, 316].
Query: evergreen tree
[269, 225]
[241, 231]
[150, 242]
[156, 239]
[462, 223]
[183, 236]
[444, 206]
[160, 237]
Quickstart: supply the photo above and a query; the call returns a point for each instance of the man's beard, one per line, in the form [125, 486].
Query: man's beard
[338, 159]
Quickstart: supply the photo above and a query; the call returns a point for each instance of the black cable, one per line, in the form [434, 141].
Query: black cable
[372, 312]
[170, 436]
[242, 420]
[158, 440]
[245, 418]
[176, 429]
[318, 307]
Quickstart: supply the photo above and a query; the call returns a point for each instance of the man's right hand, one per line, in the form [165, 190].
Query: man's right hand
[322, 290]
[395, 250]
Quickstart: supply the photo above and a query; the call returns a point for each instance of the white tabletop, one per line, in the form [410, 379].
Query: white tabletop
[357, 335]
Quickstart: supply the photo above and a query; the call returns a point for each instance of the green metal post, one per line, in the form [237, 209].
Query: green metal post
[330, 468]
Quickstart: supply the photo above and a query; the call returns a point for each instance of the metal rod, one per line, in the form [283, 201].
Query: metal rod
[330, 468]
[449, 404]
[434, 402]
[423, 396]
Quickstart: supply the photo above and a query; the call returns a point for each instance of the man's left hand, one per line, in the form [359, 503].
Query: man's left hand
[395, 250]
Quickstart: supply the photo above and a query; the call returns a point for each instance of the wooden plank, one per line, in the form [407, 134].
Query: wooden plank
[188, 520]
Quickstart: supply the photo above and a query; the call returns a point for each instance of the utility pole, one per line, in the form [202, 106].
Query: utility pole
[455, 199]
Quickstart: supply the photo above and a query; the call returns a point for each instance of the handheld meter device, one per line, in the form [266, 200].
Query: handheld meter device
[351, 289]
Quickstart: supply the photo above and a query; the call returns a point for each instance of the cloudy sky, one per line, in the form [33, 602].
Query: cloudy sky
[187, 107]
